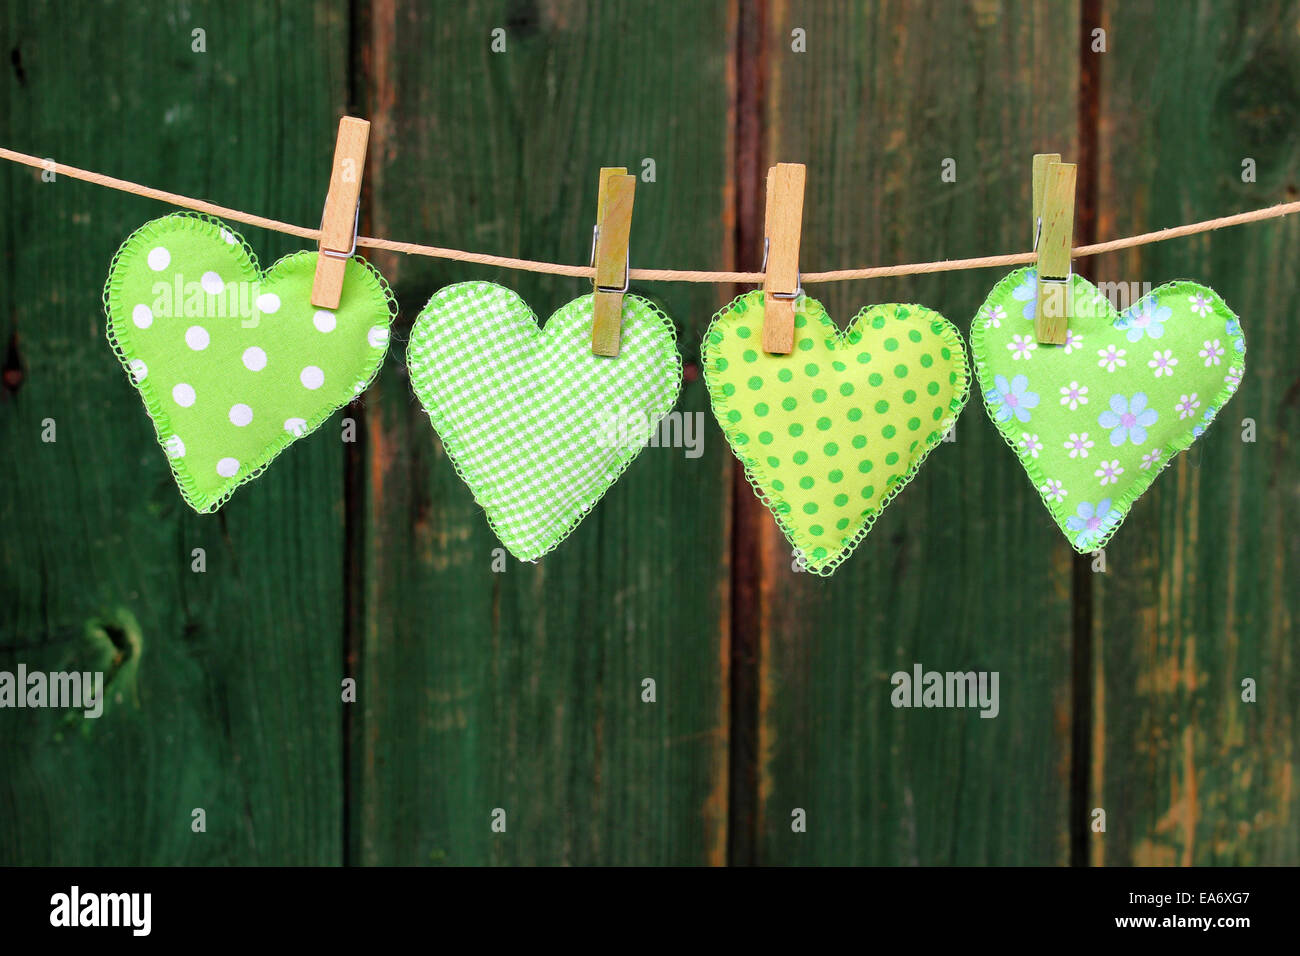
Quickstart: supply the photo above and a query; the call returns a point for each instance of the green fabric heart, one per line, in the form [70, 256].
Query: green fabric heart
[830, 433]
[234, 364]
[1094, 421]
[536, 425]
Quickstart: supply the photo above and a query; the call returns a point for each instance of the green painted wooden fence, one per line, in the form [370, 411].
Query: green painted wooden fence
[521, 690]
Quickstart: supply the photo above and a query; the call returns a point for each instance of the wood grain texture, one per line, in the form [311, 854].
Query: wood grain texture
[963, 571]
[1199, 589]
[521, 690]
[224, 685]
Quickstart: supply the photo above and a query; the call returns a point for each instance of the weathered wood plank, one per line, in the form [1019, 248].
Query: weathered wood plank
[1198, 592]
[224, 688]
[964, 571]
[521, 690]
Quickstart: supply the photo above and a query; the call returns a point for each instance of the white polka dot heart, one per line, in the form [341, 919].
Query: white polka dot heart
[234, 364]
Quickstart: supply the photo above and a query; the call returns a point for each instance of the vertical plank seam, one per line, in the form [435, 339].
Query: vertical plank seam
[746, 512]
[1082, 597]
[354, 464]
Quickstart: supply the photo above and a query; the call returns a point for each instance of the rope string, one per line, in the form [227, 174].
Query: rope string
[651, 275]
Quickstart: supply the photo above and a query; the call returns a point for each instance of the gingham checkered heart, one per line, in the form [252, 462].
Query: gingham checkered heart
[536, 425]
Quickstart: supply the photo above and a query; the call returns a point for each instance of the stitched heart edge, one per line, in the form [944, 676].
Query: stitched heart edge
[1177, 444]
[950, 336]
[451, 441]
[162, 424]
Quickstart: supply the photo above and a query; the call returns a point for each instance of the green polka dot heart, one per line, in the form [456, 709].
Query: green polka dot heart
[831, 432]
[537, 426]
[234, 364]
[1094, 421]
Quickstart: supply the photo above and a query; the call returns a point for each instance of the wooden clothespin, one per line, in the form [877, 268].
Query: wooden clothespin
[338, 224]
[783, 223]
[1053, 235]
[609, 256]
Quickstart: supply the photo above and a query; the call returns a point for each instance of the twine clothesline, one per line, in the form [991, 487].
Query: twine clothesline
[652, 275]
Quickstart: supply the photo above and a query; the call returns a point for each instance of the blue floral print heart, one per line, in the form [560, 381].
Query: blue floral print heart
[1094, 421]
